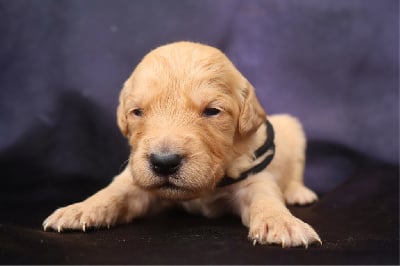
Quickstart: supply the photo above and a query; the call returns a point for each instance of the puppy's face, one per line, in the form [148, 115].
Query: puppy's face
[182, 110]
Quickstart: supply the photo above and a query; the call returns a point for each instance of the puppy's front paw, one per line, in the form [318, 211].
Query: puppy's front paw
[81, 216]
[285, 230]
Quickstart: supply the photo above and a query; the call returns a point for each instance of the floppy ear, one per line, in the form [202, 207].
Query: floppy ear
[252, 114]
[121, 116]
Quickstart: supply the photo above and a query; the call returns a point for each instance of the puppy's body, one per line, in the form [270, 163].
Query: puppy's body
[191, 118]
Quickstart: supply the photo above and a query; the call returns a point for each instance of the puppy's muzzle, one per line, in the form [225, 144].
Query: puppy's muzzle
[165, 163]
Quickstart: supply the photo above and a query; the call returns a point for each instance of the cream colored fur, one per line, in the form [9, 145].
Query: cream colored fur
[162, 107]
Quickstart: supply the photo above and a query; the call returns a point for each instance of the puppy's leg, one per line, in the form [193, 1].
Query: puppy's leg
[291, 141]
[119, 202]
[262, 209]
[295, 191]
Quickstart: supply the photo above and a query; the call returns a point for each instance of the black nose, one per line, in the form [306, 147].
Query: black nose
[165, 163]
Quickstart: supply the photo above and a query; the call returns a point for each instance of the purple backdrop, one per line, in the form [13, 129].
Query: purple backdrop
[332, 63]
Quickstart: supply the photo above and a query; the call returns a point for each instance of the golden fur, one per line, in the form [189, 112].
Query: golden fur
[163, 109]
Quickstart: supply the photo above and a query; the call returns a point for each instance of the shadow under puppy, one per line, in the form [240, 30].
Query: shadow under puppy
[201, 140]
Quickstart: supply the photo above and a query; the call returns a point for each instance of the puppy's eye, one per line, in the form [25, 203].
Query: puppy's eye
[137, 112]
[211, 112]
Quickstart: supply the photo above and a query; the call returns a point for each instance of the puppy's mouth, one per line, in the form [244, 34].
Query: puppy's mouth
[171, 175]
[171, 191]
[170, 186]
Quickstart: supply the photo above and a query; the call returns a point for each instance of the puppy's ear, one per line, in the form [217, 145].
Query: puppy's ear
[252, 114]
[121, 116]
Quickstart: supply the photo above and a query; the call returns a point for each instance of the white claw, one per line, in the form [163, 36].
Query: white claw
[108, 226]
[45, 227]
[84, 227]
[256, 239]
[283, 242]
[318, 240]
[59, 229]
[304, 242]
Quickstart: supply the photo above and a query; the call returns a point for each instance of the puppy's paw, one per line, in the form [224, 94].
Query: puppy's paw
[285, 230]
[81, 216]
[299, 194]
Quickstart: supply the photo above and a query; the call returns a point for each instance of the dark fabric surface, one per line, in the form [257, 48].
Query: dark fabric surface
[357, 222]
[332, 63]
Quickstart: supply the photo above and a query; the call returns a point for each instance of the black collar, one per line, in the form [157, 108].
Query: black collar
[268, 146]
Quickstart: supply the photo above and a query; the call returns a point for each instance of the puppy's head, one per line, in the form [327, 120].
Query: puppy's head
[183, 109]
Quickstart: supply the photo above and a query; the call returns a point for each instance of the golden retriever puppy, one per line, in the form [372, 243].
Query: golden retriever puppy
[201, 140]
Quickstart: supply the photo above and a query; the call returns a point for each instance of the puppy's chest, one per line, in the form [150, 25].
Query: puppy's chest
[212, 205]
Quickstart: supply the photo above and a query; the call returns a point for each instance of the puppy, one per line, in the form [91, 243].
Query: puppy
[201, 140]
